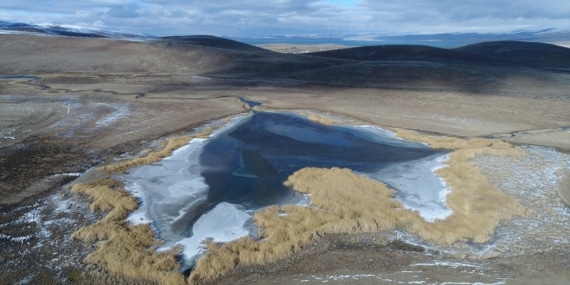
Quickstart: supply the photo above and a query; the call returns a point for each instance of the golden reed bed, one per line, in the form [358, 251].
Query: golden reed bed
[341, 202]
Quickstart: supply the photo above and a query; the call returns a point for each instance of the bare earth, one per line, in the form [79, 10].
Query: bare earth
[124, 99]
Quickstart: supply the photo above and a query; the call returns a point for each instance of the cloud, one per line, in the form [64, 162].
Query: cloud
[129, 11]
[253, 17]
[465, 10]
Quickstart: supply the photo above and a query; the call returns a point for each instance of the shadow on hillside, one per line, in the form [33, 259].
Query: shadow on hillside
[479, 68]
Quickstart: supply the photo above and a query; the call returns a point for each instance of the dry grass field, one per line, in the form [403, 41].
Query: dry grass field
[112, 104]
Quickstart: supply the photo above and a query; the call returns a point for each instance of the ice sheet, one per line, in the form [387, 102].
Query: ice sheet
[226, 222]
[171, 191]
[175, 196]
[418, 187]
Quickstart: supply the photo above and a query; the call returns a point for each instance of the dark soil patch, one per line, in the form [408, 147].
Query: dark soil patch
[24, 163]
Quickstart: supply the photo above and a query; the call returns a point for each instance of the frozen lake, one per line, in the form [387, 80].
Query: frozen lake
[211, 187]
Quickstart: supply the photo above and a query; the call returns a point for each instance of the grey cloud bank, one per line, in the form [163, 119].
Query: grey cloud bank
[258, 18]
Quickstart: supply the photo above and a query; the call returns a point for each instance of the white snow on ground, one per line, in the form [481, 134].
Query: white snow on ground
[118, 113]
[36, 215]
[533, 181]
[464, 275]
[459, 121]
[39, 231]
[68, 109]
[451, 264]
[72, 174]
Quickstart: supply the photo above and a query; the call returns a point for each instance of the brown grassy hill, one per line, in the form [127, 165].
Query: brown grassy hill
[211, 41]
[510, 53]
[482, 68]
[474, 68]
[422, 75]
[29, 54]
[204, 55]
[522, 53]
[402, 53]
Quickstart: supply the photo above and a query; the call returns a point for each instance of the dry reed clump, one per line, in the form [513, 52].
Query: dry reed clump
[365, 205]
[155, 156]
[564, 189]
[245, 106]
[484, 146]
[122, 248]
[478, 207]
[318, 119]
[343, 202]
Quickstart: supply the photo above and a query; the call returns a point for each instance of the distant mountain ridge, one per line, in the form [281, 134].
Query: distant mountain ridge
[443, 40]
[57, 30]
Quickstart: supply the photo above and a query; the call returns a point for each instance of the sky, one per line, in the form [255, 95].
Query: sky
[247, 18]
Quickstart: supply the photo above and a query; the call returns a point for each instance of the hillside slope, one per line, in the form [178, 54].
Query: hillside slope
[506, 66]
[501, 53]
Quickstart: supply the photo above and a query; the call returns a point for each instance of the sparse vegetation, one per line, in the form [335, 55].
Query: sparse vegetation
[73, 275]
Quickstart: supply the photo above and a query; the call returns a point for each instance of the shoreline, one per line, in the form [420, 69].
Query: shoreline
[122, 168]
[185, 157]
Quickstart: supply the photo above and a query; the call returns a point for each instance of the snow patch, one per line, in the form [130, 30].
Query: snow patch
[119, 113]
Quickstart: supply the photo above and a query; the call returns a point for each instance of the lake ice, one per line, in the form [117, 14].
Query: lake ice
[211, 187]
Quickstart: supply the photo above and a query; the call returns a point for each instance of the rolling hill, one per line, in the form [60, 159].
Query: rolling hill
[499, 53]
[518, 66]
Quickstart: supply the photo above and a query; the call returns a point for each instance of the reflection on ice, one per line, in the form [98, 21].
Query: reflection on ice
[211, 187]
